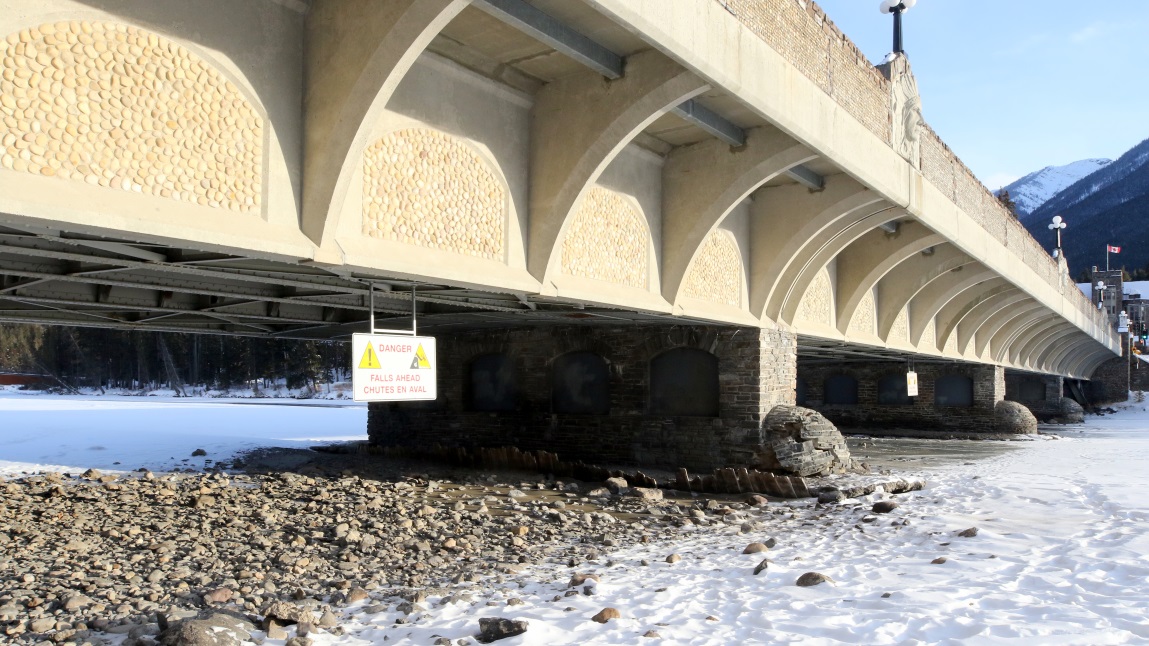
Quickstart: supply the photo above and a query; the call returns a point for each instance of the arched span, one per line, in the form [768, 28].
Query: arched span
[869, 258]
[784, 220]
[359, 52]
[579, 124]
[702, 183]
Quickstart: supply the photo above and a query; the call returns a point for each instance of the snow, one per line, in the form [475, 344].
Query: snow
[1036, 188]
[1061, 556]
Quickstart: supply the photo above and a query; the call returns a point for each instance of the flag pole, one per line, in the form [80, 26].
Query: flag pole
[1106, 256]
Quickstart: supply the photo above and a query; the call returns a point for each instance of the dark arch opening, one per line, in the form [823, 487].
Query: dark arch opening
[580, 384]
[684, 382]
[892, 390]
[800, 391]
[840, 390]
[1031, 390]
[953, 390]
[493, 385]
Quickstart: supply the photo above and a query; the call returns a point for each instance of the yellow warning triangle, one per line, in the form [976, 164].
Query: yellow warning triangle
[369, 361]
[420, 360]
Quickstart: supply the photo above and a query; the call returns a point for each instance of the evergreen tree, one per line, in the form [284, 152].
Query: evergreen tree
[1007, 202]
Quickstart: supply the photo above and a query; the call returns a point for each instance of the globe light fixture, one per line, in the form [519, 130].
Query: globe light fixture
[1057, 225]
[897, 7]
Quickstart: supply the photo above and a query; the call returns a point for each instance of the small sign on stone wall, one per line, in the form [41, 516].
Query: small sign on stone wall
[388, 368]
[911, 384]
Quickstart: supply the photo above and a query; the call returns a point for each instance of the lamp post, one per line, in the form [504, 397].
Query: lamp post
[897, 7]
[1101, 291]
[1057, 225]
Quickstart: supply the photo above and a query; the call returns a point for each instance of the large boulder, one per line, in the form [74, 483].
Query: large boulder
[217, 629]
[1012, 417]
[1068, 412]
[799, 441]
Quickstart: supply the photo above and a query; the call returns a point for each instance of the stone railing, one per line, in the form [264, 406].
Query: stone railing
[800, 32]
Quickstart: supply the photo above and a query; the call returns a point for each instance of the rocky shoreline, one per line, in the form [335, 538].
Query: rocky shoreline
[98, 558]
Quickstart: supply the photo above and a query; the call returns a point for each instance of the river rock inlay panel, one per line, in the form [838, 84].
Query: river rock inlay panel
[608, 240]
[115, 106]
[815, 305]
[425, 188]
[717, 272]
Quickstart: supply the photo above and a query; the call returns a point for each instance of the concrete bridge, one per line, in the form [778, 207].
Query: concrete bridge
[624, 178]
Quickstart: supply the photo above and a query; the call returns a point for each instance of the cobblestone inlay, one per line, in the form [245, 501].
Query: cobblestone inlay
[116, 106]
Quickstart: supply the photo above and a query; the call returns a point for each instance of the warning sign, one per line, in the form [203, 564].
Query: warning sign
[393, 367]
[420, 361]
[369, 360]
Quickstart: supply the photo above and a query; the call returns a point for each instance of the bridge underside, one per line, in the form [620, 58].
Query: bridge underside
[283, 168]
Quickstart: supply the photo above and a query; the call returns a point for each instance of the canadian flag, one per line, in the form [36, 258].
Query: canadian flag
[1111, 249]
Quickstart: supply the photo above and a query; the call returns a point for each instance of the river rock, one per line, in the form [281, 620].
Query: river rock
[496, 628]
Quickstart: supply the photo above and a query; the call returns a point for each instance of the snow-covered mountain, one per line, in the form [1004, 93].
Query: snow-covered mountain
[1034, 189]
[1107, 207]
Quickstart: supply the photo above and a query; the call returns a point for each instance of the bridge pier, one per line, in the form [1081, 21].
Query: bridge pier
[952, 397]
[656, 395]
[1044, 396]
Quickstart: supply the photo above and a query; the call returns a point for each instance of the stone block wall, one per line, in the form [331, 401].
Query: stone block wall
[922, 413]
[756, 371]
[1138, 374]
[1021, 388]
[1110, 383]
[803, 34]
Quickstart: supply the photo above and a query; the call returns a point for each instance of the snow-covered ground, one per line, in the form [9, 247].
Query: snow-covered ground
[1061, 555]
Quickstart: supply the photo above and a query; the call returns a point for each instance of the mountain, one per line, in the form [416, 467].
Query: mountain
[1108, 206]
[1036, 188]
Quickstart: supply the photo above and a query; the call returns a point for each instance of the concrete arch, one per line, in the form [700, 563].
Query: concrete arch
[968, 326]
[573, 142]
[933, 297]
[1032, 356]
[949, 316]
[819, 254]
[988, 331]
[1076, 354]
[784, 220]
[1089, 364]
[1056, 353]
[1026, 344]
[1023, 325]
[899, 286]
[360, 51]
[702, 183]
[608, 239]
[869, 258]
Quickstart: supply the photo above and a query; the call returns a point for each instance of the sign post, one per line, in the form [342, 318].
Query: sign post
[392, 367]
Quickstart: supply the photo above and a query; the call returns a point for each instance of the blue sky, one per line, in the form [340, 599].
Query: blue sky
[1016, 85]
